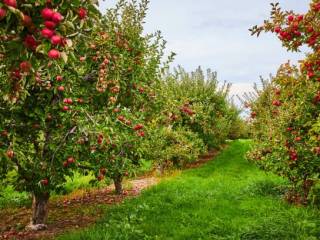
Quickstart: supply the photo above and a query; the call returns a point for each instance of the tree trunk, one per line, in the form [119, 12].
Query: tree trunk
[39, 211]
[118, 184]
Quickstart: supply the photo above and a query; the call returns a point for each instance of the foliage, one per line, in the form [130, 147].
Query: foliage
[285, 116]
[195, 101]
[127, 64]
[168, 147]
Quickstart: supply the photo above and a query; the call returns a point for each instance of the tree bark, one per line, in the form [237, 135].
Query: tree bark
[118, 184]
[39, 211]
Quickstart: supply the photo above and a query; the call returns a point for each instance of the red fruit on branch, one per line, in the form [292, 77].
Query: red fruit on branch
[103, 171]
[10, 3]
[290, 18]
[60, 88]
[80, 100]
[82, 13]
[3, 13]
[65, 164]
[47, 13]
[10, 153]
[141, 89]
[121, 118]
[100, 178]
[316, 99]
[300, 18]
[298, 139]
[276, 103]
[59, 78]
[68, 101]
[316, 7]
[71, 160]
[65, 108]
[293, 155]
[47, 33]
[4, 133]
[297, 33]
[57, 17]
[310, 74]
[277, 29]
[253, 115]
[100, 139]
[16, 74]
[138, 127]
[277, 92]
[317, 150]
[30, 42]
[289, 129]
[141, 133]
[44, 182]
[26, 21]
[25, 66]
[50, 25]
[56, 40]
[54, 54]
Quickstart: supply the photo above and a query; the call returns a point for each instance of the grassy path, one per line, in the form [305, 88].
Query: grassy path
[228, 198]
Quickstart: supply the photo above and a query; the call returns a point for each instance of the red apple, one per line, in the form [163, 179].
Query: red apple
[44, 182]
[60, 88]
[59, 78]
[290, 18]
[56, 40]
[25, 66]
[71, 160]
[54, 54]
[82, 13]
[10, 3]
[30, 42]
[47, 13]
[103, 171]
[65, 108]
[3, 13]
[277, 29]
[121, 118]
[138, 127]
[50, 25]
[26, 21]
[80, 100]
[141, 134]
[298, 139]
[276, 103]
[10, 153]
[57, 17]
[47, 33]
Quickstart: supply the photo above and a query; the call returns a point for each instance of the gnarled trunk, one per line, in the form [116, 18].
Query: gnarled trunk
[118, 184]
[39, 211]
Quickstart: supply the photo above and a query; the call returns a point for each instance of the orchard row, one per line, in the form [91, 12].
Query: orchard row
[286, 116]
[86, 92]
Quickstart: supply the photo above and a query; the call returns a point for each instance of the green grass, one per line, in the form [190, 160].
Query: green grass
[228, 198]
[9, 198]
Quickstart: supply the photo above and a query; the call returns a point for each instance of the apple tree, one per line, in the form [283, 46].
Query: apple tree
[123, 66]
[38, 90]
[286, 115]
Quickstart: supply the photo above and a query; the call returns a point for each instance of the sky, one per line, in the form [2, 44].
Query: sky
[214, 34]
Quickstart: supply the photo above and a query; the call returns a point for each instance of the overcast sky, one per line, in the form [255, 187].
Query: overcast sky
[214, 34]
